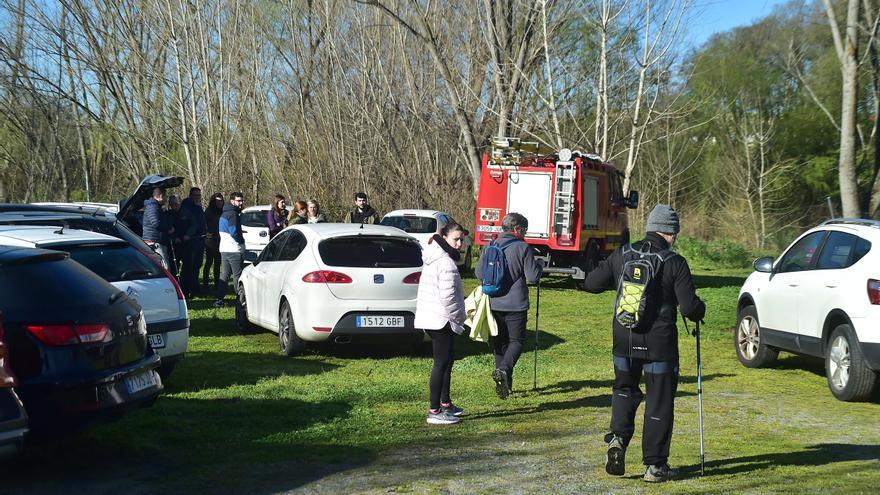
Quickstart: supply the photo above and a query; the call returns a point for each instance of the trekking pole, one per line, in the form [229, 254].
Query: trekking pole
[537, 314]
[699, 393]
[700, 402]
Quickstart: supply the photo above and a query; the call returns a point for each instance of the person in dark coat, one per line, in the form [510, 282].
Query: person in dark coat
[362, 211]
[276, 217]
[178, 226]
[511, 306]
[156, 230]
[298, 215]
[651, 348]
[212, 239]
[193, 240]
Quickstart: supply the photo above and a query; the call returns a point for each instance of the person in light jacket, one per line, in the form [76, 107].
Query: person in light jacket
[440, 311]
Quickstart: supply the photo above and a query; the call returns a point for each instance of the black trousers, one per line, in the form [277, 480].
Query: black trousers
[443, 342]
[508, 345]
[193, 253]
[212, 262]
[661, 383]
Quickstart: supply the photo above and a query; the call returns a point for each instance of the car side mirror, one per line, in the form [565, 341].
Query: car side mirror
[632, 201]
[764, 264]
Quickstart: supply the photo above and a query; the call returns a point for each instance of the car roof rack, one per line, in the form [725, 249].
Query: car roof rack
[853, 221]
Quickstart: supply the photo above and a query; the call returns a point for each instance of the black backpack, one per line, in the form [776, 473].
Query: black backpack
[637, 287]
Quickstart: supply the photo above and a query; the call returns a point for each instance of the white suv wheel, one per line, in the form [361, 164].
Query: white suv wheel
[838, 363]
[748, 338]
[750, 350]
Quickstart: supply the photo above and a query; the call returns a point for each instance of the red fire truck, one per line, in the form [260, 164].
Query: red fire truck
[573, 201]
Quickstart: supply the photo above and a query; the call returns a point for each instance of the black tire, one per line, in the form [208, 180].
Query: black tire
[849, 377]
[242, 323]
[589, 262]
[165, 369]
[288, 341]
[748, 342]
[466, 266]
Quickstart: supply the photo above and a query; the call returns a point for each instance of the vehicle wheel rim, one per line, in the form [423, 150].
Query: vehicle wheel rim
[748, 338]
[284, 330]
[838, 363]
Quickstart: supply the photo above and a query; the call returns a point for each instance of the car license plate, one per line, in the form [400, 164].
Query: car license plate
[379, 321]
[136, 383]
[157, 340]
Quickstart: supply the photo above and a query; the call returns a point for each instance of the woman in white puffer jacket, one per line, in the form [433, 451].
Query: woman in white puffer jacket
[440, 311]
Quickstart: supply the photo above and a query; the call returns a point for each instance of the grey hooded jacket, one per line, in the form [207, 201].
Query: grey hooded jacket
[522, 268]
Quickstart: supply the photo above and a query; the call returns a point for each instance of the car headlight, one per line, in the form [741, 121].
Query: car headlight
[142, 324]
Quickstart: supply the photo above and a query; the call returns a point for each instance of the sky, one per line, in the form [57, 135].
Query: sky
[714, 16]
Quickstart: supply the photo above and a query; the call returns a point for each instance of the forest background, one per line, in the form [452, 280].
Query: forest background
[751, 135]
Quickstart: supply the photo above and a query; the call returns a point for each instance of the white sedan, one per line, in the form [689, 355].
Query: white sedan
[422, 224]
[336, 282]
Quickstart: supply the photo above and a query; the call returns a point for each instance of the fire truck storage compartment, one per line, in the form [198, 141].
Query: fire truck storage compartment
[528, 193]
[590, 206]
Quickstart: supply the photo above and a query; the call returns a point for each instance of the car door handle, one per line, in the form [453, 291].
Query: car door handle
[263, 233]
[793, 285]
[831, 284]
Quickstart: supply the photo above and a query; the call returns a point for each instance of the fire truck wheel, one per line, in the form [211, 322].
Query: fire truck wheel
[589, 261]
[466, 266]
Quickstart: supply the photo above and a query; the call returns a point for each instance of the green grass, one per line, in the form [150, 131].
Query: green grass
[238, 417]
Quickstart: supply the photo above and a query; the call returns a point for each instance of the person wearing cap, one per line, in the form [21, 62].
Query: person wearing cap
[362, 211]
[651, 349]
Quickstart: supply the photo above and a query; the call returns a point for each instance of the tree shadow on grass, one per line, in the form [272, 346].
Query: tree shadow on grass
[185, 444]
[717, 281]
[577, 385]
[389, 348]
[206, 370]
[814, 455]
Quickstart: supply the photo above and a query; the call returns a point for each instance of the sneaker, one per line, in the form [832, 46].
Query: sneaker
[502, 385]
[218, 303]
[614, 461]
[452, 409]
[659, 473]
[441, 417]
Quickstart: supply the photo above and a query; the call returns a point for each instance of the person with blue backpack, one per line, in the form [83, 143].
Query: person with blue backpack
[505, 267]
[653, 283]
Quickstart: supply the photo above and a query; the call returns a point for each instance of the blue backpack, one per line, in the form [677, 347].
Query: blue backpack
[493, 267]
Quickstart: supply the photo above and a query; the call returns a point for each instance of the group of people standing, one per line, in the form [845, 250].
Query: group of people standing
[190, 238]
[302, 212]
[650, 349]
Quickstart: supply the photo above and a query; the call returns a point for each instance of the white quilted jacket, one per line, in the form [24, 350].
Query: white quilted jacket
[441, 296]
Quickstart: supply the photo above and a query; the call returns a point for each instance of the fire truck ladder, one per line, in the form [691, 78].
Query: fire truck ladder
[563, 201]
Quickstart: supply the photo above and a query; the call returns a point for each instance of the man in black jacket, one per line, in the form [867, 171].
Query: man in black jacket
[652, 347]
[362, 211]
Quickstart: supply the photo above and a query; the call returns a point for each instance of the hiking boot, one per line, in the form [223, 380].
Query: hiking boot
[614, 461]
[502, 385]
[659, 473]
[452, 409]
[441, 417]
[218, 303]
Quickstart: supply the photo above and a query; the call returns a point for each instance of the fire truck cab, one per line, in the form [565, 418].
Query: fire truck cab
[573, 201]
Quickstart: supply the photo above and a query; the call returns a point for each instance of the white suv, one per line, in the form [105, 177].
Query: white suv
[140, 276]
[820, 298]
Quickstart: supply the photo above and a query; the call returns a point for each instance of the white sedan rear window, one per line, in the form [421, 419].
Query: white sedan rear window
[371, 252]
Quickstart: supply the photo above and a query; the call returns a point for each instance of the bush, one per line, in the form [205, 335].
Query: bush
[719, 252]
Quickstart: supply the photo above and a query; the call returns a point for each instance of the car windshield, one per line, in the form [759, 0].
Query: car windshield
[114, 262]
[371, 252]
[412, 224]
[254, 219]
